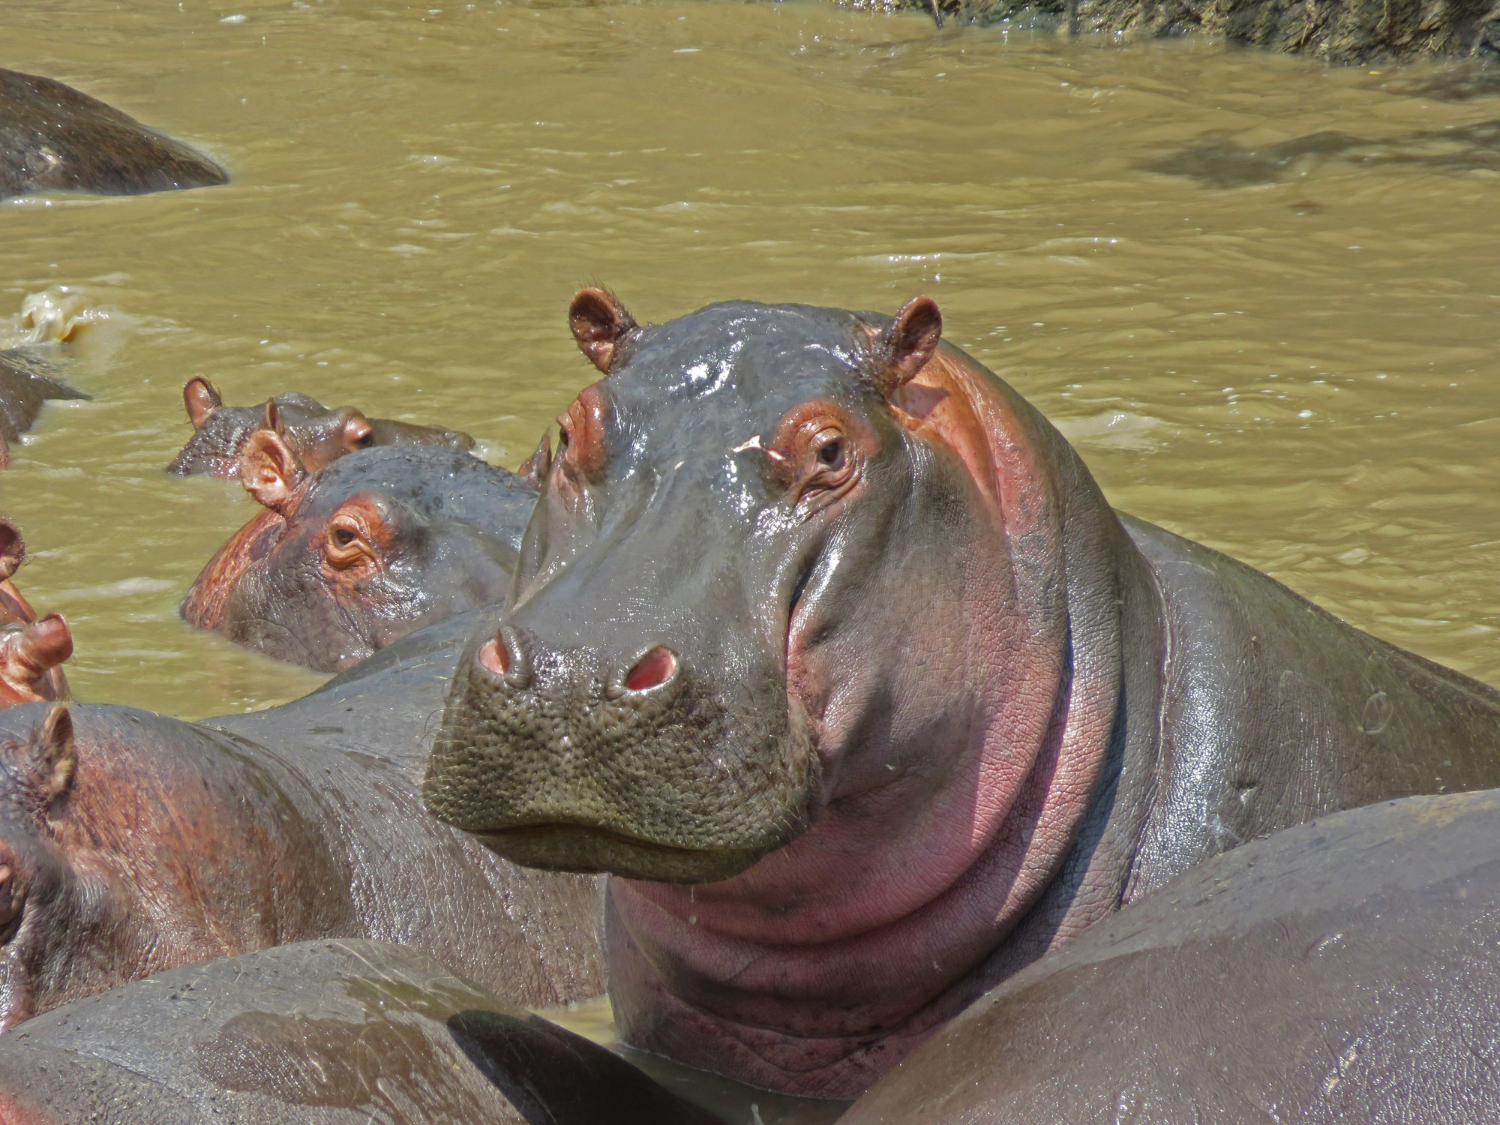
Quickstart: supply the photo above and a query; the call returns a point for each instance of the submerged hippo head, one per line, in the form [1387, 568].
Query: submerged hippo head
[767, 588]
[317, 434]
[346, 560]
[31, 649]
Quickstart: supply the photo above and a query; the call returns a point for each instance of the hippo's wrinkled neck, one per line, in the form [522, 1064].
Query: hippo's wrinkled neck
[995, 712]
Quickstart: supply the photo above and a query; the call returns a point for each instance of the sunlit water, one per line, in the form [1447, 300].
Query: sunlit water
[1261, 295]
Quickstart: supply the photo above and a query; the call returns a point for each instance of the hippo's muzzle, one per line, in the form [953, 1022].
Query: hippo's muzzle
[576, 760]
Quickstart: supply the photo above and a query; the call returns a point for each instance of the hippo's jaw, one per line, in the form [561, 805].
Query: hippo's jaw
[554, 766]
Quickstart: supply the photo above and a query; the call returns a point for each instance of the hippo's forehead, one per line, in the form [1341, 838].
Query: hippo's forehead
[730, 371]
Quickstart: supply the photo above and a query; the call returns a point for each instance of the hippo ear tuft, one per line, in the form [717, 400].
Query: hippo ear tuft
[535, 468]
[270, 471]
[906, 344]
[271, 419]
[600, 324]
[53, 756]
[201, 399]
[12, 549]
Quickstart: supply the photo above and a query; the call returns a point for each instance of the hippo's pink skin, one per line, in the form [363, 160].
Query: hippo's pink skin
[31, 648]
[826, 646]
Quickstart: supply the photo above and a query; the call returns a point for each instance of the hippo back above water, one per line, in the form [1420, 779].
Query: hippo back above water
[53, 138]
[830, 645]
[346, 560]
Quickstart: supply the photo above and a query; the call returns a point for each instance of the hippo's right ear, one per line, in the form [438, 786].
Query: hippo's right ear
[48, 759]
[535, 468]
[600, 324]
[12, 550]
[201, 399]
[906, 344]
[270, 471]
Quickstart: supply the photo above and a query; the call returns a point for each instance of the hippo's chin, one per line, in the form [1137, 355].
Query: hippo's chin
[589, 850]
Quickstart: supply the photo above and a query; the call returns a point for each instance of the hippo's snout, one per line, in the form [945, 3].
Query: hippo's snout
[633, 762]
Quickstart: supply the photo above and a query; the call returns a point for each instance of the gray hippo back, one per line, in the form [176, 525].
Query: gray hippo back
[53, 138]
[1342, 971]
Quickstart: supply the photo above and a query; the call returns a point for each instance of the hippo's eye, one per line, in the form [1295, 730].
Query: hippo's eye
[831, 453]
[343, 538]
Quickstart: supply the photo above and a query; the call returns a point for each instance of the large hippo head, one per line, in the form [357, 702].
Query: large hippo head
[346, 560]
[317, 434]
[783, 576]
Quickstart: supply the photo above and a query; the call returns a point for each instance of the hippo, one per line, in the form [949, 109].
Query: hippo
[334, 1032]
[53, 138]
[1340, 971]
[315, 433]
[829, 648]
[132, 843]
[346, 560]
[25, 383]
[31, 648]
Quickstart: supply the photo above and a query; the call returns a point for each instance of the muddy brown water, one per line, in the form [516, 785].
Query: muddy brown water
[1262, 296]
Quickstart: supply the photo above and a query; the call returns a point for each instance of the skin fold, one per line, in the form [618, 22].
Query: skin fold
[828, 646]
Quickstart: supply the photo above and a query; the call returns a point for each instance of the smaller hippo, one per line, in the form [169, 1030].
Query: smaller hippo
[333, 1032]
[1345, 970]
[31, 648]
[25, 383]
[53, 138]
[317, 434]
[347, 559]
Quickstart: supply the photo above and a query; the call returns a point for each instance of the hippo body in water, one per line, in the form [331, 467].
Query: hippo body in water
[1341, 971]
[133, 843]
[25, 383]
[52, 138]
[32, 648]
[316, 434]
[828, 645]
[346, 560]
[332, 1032]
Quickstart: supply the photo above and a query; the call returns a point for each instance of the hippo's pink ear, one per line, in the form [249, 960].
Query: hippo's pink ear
[536, 467]
[600, 323]
[906, 344]
[270, 471]
[12, 550]
[201, 399]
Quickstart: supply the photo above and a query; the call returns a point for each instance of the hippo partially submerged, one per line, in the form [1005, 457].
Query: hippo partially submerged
[317, 434]
[334, 1032]
[829, 644]
[26, 382]
[1340, 971]
[131, 843]
[346, 560]
[52, 138]
[32, 648]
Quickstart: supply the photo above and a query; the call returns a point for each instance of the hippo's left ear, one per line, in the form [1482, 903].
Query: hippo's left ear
[270, 471]
[535, 468]
[906, 344]
[600, 324]
[50, 757]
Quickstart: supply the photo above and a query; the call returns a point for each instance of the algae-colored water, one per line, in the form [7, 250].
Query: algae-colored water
[1261, 295]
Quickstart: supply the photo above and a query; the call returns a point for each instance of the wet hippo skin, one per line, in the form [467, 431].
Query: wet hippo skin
[828, 645]
[332, 1032]
[26, 381]
[317, 434]
[135, 843]
[346, 560]
[32, 648]
[1341, 971]
[52, 138]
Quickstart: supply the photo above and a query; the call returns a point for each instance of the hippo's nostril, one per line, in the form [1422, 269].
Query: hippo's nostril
[652, 670]
[503, 655]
